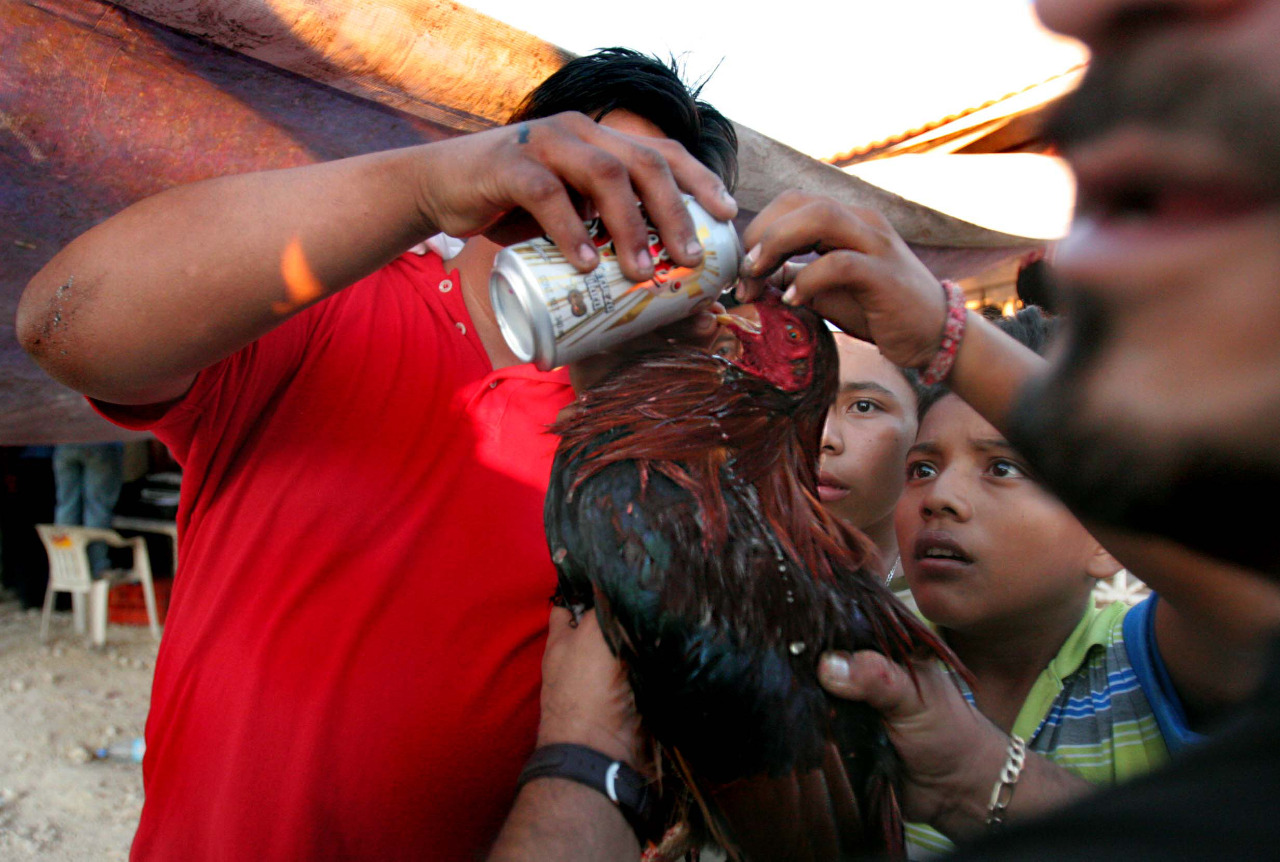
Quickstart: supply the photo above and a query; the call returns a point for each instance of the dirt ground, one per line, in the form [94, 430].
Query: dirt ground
[58, 699]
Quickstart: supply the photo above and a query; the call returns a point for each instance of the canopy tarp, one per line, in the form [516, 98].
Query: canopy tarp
[102, 104]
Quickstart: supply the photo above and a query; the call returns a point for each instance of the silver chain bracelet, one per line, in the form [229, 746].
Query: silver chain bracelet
[1002, 793]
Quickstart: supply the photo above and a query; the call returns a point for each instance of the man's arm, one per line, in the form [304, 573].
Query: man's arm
[952, 753]
[1214, 622]
[133, 309]
[585, 700]
[558, 819]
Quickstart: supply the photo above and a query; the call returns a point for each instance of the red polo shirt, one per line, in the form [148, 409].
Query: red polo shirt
[350, 666]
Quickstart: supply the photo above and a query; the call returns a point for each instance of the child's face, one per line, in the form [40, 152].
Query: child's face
[867, 434]
[982, 544]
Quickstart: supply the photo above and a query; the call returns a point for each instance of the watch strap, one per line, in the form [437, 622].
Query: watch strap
[619, 783]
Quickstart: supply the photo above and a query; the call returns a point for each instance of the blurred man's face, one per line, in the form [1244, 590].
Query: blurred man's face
[1165, 403]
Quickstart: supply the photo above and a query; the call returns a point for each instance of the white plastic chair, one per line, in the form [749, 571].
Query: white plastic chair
[70, 572]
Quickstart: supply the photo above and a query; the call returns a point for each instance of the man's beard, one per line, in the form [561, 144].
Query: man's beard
[1201, 493]
[1204, 496]
[1181, 89]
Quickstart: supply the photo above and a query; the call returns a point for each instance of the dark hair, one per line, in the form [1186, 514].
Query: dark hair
[1030, 327]
[1036, 286]
[918, 389]
[619, 78]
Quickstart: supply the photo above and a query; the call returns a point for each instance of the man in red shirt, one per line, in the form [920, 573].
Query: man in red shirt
[351, 662]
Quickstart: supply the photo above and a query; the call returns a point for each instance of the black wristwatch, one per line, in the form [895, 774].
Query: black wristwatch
[623, 786]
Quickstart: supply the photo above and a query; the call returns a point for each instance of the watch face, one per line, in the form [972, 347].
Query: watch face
[610, 781]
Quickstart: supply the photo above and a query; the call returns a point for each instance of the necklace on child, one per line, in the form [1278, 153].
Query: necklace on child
[893, 570]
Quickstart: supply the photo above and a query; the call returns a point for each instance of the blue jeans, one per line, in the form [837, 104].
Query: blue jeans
[87, 477]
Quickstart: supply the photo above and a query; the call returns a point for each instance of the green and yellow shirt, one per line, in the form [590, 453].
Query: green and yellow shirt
[1103, 708]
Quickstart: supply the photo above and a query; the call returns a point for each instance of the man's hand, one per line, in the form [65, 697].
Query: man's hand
[585, 700]
[937, 733]
[165, 259]
[539, 176]
[867, 281]
[585, 695]
[952, 754]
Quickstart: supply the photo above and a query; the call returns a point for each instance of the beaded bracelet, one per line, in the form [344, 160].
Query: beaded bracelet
[952, 332]
[1002, 793]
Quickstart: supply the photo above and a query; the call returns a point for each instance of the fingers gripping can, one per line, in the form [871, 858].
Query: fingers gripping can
[552, 314]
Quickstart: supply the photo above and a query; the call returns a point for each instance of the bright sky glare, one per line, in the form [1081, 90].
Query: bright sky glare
[820, 75]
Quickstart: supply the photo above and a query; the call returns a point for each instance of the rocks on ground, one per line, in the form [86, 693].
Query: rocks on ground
[59, 700]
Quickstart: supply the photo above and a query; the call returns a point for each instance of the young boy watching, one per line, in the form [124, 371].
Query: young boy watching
[1006, 573]
[869, 429]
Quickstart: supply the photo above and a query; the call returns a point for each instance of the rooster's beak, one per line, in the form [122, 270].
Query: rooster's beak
[740, 324]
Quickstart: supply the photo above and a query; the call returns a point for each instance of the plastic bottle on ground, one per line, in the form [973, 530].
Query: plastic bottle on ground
[133, 750]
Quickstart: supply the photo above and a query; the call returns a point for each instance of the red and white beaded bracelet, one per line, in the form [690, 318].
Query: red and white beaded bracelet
[952, 332]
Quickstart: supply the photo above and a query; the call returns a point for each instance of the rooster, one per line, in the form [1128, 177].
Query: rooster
[683, 507]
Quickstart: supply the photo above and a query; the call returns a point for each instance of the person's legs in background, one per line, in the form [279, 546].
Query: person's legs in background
[68, 470]
[88, 479]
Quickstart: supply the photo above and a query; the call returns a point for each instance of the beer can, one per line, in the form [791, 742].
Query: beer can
[552, 314]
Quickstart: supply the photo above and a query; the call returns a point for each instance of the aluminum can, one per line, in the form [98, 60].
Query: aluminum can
[552, 314]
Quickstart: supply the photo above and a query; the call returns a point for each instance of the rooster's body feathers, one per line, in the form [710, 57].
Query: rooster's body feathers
[682, 506]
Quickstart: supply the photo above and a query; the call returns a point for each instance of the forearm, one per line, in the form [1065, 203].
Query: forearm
[1214, 623]
[1043, 786]
[133, 309]
[130, 311]
[555, 818]
[585, 701]
[990, 369]
[952, 756]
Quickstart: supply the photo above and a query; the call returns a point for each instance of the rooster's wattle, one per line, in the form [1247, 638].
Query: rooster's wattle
[683, 507]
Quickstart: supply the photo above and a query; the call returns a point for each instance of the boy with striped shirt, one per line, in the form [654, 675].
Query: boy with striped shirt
[1006, 574]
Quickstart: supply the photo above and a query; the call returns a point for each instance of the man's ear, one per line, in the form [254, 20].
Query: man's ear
[1102, 565]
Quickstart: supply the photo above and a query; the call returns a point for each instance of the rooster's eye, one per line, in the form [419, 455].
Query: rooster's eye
[792, 332]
